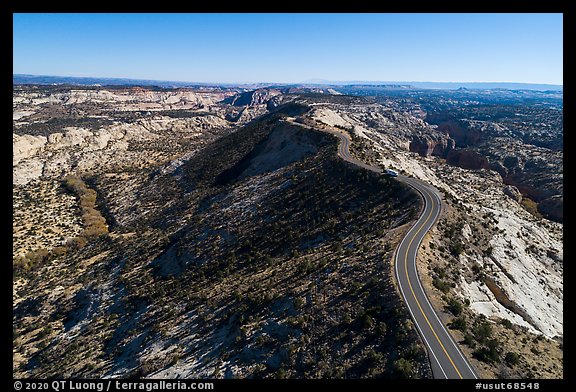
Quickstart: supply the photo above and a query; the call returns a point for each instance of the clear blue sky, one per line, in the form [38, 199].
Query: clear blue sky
[293, 47]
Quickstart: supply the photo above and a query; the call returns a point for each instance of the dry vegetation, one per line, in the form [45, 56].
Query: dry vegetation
[157, 239]
[45, 216]
[94, 225]
[498, 349]
[208, 272]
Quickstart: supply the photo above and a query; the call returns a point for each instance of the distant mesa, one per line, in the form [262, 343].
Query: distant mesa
[389, 85]
[382, 86]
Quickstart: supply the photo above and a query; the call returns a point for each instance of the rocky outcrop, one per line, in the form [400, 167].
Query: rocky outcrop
[27, 171]
[241, 115]
[426, 145]
[274, 102]
[252, 98]
[26, 146]
[534, 171]
[82, 150]
[462, 135]
[552, 208]
[499, 168]
[467, 159]
[535, 177]
[512, 192]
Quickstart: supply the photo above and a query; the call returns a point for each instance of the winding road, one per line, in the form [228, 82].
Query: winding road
[446, 359]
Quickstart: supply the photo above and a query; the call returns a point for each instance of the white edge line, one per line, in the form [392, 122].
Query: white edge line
[343, 138]
[406, 299]
[448, 333]
[428, 301]
[435, 314]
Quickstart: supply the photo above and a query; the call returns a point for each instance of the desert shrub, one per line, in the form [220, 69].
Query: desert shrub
[512, 358]
[403, 368]
[489, 352]
[482, 331]
[459, 323]
[441, 285]
[456, 248]
[454, 306]
[506, 323]
[469, 340]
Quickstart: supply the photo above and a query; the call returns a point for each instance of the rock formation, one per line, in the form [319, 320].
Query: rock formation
[552, 208]
[252, 98]
[512, 192]
[467, 159]
[426, 145]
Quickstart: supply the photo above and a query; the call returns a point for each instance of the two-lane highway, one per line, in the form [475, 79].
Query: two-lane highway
[446, 359]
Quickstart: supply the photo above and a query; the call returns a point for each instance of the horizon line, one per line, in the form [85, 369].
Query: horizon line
[310, 81]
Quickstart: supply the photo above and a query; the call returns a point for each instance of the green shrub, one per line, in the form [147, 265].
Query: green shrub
[489, 352]
[482, 331]
[454, 306]
[506, 323]
[374, 358]
[469, 340]
[441, 285]
[403, 368]
[382, 328]
[459, 323]
[456, 248]
[367, 321]
[512, 358]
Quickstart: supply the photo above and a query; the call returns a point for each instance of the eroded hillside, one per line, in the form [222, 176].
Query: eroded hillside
[259, 255]
[237, 244]
[493, 265]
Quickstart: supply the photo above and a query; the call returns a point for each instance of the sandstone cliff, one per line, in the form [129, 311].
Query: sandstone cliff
[434, 144]
[467, 159]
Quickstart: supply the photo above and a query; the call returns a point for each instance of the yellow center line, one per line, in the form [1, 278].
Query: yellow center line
[416, 299]
[342, 153]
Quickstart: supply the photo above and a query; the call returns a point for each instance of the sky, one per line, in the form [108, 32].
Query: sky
[292, 48]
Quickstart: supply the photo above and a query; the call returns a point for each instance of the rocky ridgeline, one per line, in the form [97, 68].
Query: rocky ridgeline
[252, 98]
[182, 99]
[185, 177]
[263, 243]
[93, 130]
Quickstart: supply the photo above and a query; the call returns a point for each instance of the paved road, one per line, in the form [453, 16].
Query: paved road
[446, 359]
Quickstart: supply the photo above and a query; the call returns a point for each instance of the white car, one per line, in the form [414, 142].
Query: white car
[392, 173]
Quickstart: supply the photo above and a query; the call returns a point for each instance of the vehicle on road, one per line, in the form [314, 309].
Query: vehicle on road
[446, 359]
